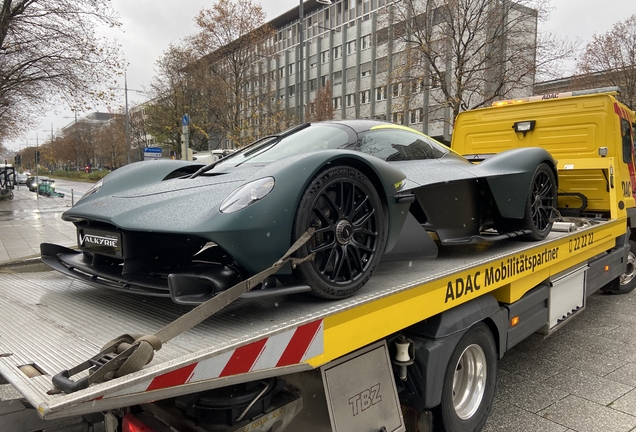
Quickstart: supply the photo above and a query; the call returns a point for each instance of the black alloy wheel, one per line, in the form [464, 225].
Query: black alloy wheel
[542, 200]
[347, 214]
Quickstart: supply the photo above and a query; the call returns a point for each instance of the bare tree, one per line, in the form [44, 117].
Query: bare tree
[111, 145]
[139, 133]
[51, 54]
[232, 36]
[610, 59]
[170, 94]
[322, 106]
[468, 53]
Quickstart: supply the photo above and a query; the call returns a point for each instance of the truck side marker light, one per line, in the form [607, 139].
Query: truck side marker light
[606, 268]
[514, 321]
[404, 354]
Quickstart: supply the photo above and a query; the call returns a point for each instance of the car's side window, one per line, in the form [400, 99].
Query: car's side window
[400, 145]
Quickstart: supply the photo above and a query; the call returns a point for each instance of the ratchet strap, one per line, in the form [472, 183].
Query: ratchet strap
[130, 353]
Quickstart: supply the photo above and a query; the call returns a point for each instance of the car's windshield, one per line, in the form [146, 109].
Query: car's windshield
[314, 138]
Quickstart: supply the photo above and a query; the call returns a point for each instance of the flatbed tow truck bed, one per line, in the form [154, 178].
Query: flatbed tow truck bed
[54, 323]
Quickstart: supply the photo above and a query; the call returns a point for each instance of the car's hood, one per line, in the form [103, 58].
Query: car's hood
[176, 205]
[180, 184]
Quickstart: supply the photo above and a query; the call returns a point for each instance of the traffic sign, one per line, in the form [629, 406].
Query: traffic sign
[152, 153]
[185, 120]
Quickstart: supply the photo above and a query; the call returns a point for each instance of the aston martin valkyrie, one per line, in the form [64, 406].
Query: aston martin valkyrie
[371, 190]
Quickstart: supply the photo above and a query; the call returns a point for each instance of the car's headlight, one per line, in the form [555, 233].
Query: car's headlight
[247, 195]
[96, 187]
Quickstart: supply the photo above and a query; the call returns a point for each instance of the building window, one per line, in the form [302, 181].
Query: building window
[324, 57]
[281, 72]
[351, 99]
[337, 77]
[337, 52]
[365, 73]
[365, 42]
[312, 65]
[323, 80]
[313, 83]
[417, 85]
[417, 115]
[290, 69]
[337, 102]
[395, 90]
[351, 47]
[398, 118]
[380, 93]
[435, 82]
[365, 96]
[291, 90]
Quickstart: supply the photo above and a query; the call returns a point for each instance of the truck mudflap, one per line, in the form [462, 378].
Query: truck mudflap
[51, 323]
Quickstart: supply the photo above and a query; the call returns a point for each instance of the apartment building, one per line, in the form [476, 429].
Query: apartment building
[359, 48]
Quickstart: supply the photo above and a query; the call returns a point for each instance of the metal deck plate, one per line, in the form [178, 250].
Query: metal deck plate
[56, 323]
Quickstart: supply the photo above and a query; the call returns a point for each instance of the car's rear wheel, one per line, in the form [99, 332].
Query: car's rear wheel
[344, 208]
[540, 204]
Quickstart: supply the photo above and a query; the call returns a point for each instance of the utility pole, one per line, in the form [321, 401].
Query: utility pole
[127, 118]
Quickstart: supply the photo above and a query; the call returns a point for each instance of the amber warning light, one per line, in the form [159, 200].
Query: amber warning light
[514, 321]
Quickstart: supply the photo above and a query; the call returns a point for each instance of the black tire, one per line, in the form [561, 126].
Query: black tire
[347, 213]
[626, 282]
[542, 200]
[469, 383]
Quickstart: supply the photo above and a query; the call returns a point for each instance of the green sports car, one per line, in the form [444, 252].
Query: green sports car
[370, 189]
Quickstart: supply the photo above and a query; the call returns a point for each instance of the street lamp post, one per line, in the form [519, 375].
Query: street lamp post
[127, 118]
[301, 48]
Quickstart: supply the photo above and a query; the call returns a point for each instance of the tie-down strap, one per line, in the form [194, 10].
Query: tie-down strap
[130, 353]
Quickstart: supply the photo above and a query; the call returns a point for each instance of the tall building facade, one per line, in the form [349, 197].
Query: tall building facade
[358, 48]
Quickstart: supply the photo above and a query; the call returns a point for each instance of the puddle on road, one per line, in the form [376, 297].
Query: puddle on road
[10, 215]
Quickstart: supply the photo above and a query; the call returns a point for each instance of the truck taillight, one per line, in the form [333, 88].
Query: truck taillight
[133, 424]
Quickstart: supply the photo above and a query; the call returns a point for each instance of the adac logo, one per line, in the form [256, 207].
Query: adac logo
[92, 239]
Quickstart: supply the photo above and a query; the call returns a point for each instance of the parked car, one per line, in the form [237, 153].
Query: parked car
[30, 182]
[22, 178]
[368, 188]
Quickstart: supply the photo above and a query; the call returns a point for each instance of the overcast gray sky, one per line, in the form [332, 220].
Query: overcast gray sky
[150, 25]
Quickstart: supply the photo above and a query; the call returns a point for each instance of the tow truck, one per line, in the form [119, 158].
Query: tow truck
[415, 350]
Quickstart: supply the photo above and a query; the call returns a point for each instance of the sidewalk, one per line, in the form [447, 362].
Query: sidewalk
[26, 222]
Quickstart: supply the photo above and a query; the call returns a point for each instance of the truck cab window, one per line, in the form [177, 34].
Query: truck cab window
[628, 142]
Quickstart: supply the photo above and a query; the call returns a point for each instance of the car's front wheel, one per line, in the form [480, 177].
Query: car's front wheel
[344, 208]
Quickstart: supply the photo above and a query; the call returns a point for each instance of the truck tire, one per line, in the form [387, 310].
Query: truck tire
[347, 213]
[469, 383]
[627, 281]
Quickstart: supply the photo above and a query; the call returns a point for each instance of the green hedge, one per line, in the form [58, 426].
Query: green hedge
[80, 175]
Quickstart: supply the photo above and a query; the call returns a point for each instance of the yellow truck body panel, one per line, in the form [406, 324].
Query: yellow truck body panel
[590, 136]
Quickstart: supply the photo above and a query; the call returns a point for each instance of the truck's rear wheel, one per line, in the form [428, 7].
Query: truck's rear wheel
[627, 281]
[469, 382]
